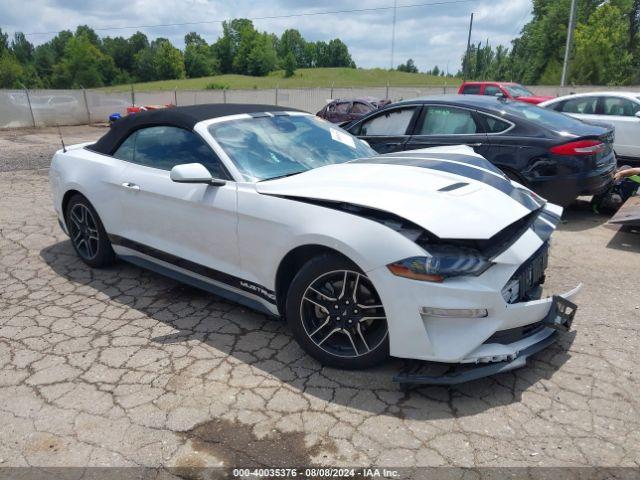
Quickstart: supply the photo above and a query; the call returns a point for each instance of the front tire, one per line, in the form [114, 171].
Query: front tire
[88, 236]
[336, 315]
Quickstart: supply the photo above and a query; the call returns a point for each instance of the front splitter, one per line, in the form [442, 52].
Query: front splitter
[413, 374]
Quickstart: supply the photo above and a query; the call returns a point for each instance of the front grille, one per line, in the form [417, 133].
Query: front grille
[525, 284]
[512, 335]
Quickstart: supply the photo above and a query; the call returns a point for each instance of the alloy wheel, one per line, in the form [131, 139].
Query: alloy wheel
[343, 315]
[83, 230]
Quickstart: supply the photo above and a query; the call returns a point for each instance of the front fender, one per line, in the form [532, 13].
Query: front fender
[270, 227]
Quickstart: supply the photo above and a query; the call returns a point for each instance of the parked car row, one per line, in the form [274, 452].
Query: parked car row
[557, 156]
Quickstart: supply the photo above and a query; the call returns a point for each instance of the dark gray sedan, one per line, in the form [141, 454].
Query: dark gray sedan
[557, 156]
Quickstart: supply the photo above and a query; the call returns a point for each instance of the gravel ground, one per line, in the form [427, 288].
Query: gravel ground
[124, 367]
[32, 148]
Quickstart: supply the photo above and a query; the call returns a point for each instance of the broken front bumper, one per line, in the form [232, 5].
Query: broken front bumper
[492, 358]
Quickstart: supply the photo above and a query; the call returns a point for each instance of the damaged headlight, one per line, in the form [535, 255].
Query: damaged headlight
[444, 261]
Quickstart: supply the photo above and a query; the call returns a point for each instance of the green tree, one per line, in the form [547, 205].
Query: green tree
[22, 49]
[601, 56]
[409, 67]
[289, 65]
[322, 55]
[83, 64]
[145, 65]
[291, 41]
[159, 61]
[169, 61]
[262, 57]
[11, 72]
[234, 33]
[44, 58]
[541, 45]
[59, 43]
[4, 42]
[199, 58]
[339, 55]
[90, 34]
[138, 41]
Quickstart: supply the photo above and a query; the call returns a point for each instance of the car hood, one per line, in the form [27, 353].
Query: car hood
[449, 191]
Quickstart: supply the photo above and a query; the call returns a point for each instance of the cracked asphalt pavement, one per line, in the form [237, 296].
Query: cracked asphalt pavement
[122, 366]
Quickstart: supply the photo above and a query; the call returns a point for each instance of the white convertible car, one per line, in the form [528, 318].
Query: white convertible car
[429, 255]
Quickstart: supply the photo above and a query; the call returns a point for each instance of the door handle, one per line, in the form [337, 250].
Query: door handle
[131, 186]
[474, 144]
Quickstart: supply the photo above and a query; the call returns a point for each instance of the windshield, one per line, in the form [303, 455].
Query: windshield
[518, 91]
[546, 118]
[264, 148]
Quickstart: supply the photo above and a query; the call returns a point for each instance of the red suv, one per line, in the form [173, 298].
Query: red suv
[512, 91]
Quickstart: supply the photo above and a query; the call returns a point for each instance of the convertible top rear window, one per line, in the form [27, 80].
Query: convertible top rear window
[263, 148]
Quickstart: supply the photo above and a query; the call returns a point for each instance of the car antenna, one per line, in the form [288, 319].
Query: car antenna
[64, 149]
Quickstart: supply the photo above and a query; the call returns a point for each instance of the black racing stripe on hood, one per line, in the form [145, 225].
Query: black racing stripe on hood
[456, 157]
[500, 183]
[542, 228]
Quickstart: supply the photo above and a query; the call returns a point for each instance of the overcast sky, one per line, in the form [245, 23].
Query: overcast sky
[431, 35]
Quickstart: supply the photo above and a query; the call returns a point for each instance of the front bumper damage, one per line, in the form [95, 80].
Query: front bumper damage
[494, 358]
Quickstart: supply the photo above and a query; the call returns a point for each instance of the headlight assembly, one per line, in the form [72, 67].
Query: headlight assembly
[445, 261]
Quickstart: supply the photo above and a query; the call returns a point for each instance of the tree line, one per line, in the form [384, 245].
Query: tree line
[605, 51]
[83, 59]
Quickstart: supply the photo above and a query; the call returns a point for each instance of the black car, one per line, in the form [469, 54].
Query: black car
[557, 156]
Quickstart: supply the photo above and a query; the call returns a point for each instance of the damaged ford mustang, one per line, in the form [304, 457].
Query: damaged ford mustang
[427, 255]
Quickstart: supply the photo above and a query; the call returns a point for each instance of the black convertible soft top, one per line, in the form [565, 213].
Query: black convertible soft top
[181, 117]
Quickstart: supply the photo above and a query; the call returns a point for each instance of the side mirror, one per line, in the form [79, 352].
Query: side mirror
[637, 114]
[194, 173]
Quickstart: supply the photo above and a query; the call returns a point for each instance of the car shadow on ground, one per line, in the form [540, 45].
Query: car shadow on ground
[288, 363]
[580, 216]
[626, 238]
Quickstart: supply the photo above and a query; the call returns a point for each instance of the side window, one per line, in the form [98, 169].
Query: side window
[360, 108]
[343, 107]
[492, 90]
[495, 125]
[125, 150]
[619, 106]
[392, 122]
[471, 90]
[448, 121]
[166, 147]
[584, 105]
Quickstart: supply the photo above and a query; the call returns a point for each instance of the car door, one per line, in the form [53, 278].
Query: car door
[492, 90]
[621, 112]
[499, 147]
[196, 222]
[388, 131]
[440, 125]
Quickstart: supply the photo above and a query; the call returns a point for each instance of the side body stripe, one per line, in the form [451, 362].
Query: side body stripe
[216, 275]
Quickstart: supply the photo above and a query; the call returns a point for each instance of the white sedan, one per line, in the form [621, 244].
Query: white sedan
[430, 254]
[620, 109]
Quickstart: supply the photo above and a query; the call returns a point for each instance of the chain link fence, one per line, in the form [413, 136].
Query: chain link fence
[40, 108]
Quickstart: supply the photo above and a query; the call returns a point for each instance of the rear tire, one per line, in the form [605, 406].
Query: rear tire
[336, 315]
[88, 236]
